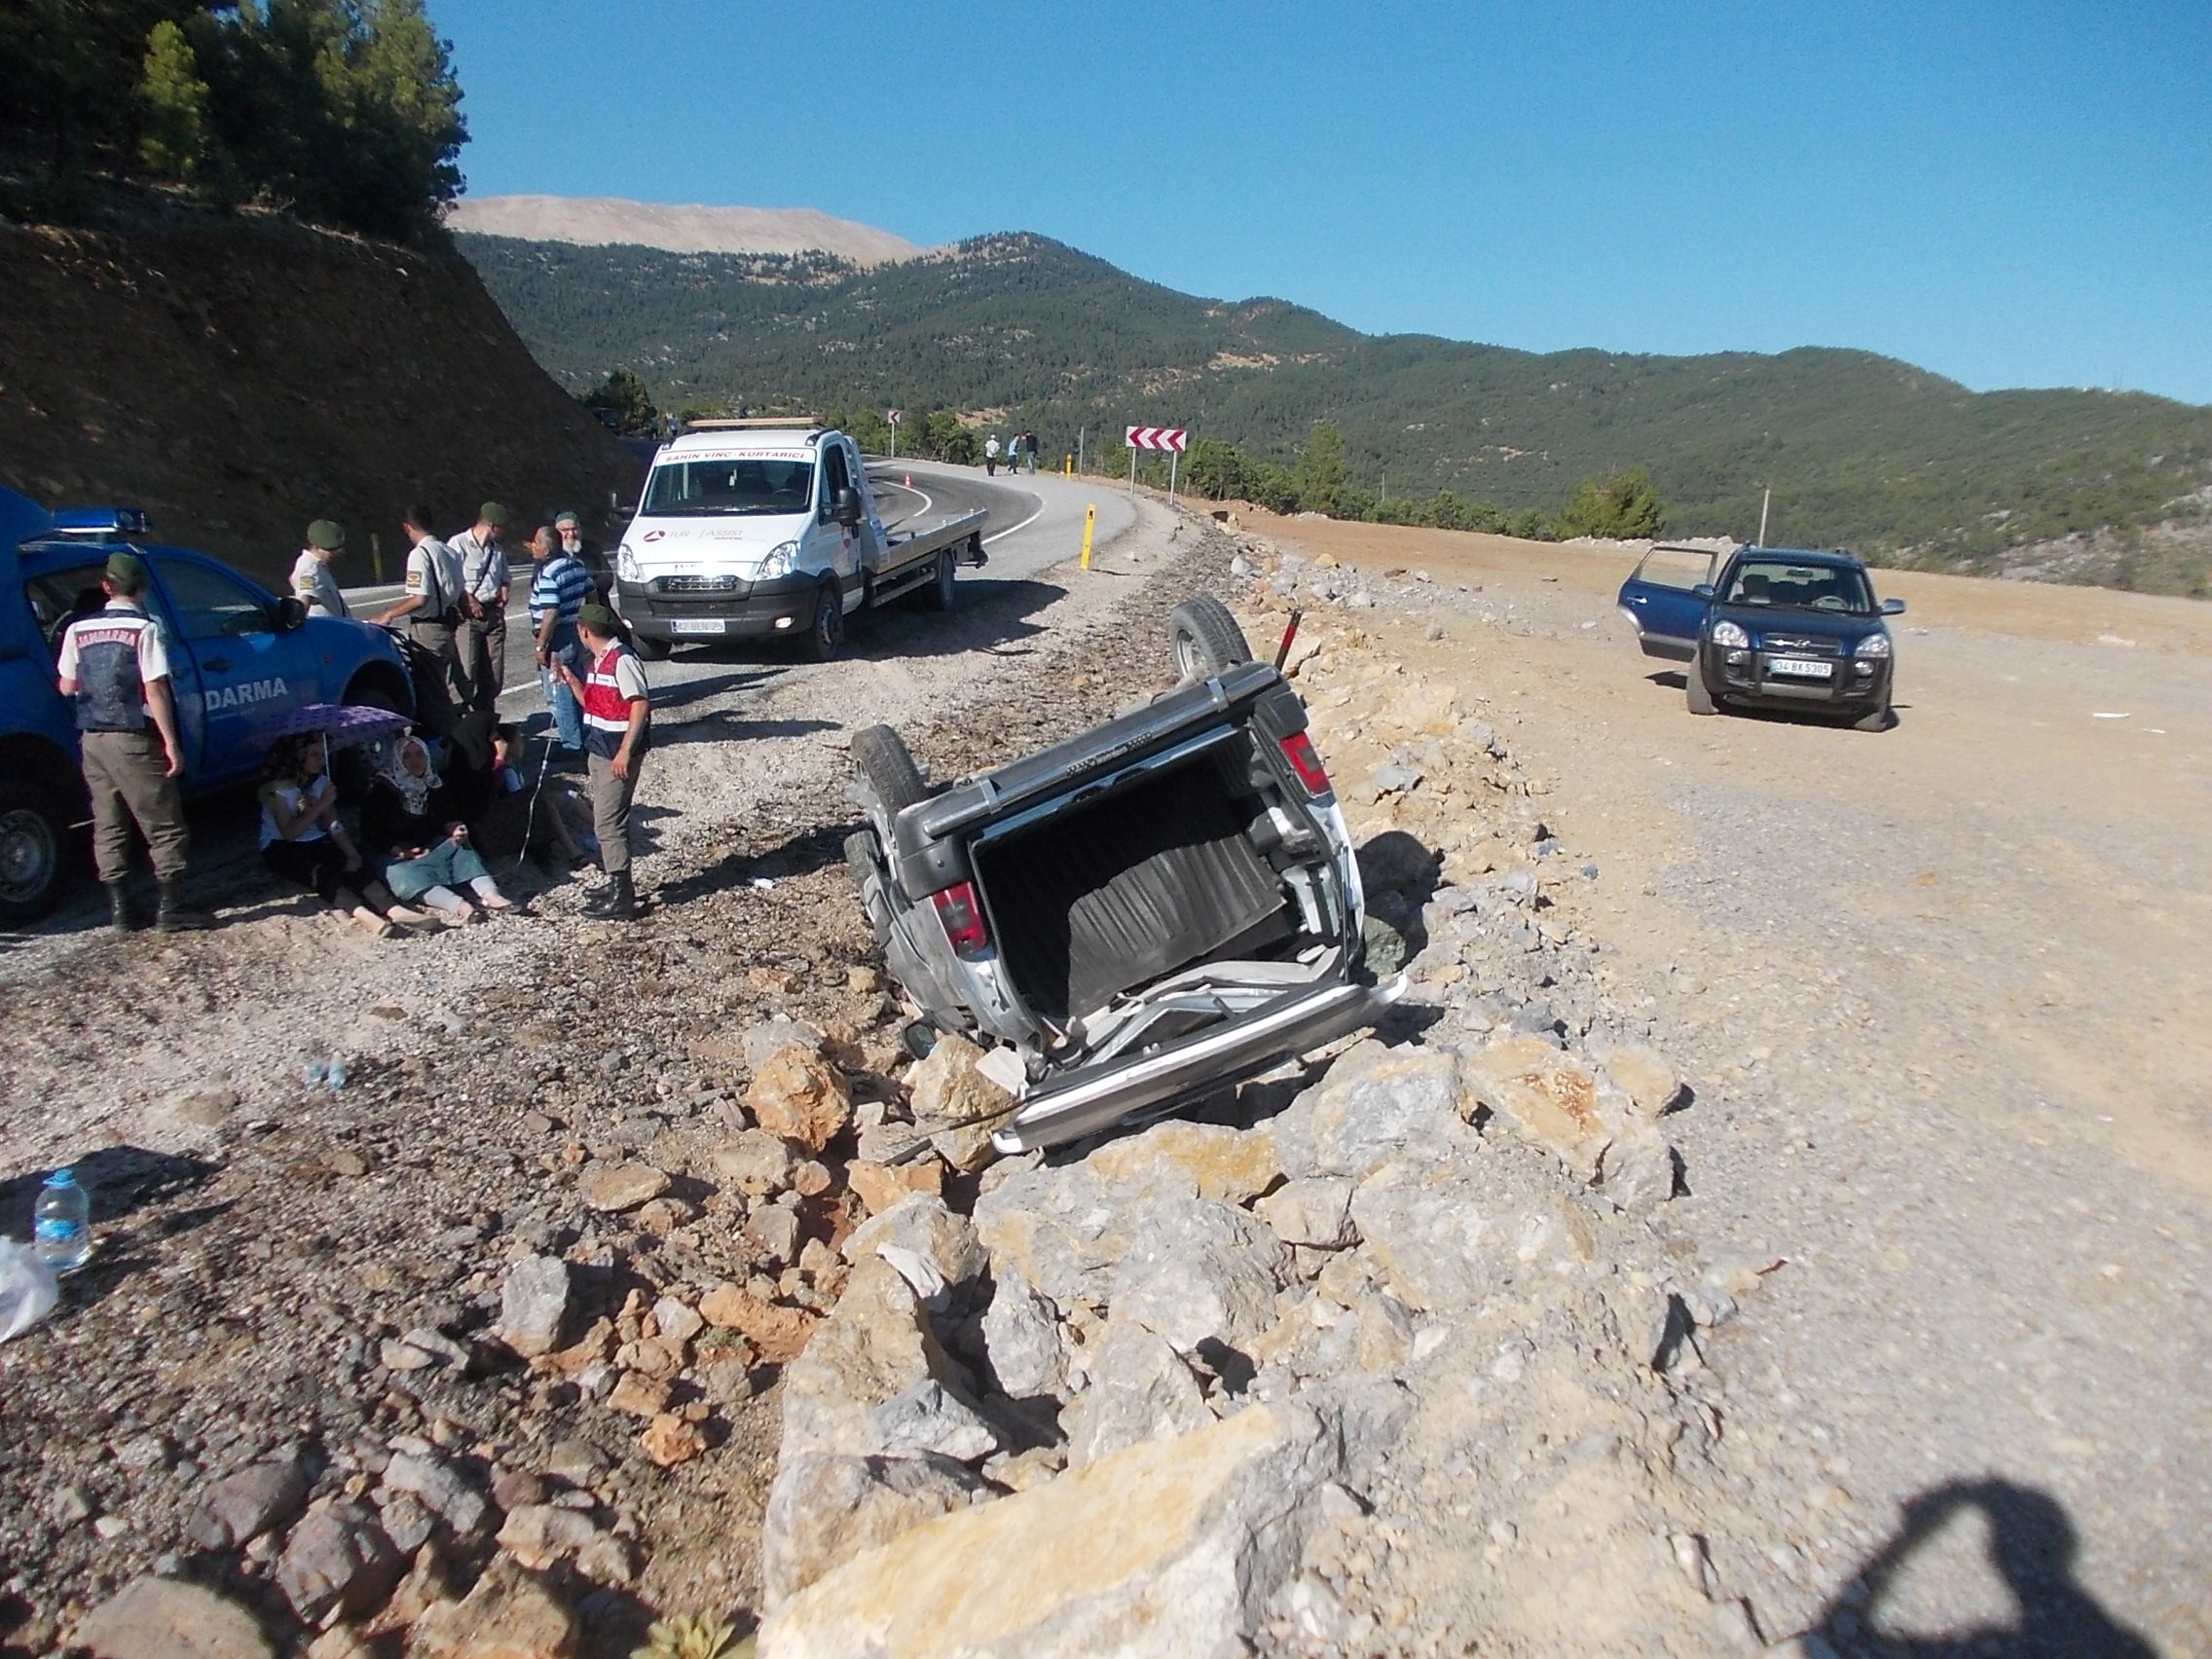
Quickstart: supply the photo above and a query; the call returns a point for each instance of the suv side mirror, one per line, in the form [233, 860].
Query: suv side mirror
[1702, 590]
[290, 614]
[848, 506]
[1893, 608]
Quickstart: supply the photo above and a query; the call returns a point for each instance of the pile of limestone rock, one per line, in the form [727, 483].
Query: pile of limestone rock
[1390, 1350]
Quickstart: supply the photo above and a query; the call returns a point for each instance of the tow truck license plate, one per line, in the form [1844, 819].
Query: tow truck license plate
[1796, 668]
[698, 625]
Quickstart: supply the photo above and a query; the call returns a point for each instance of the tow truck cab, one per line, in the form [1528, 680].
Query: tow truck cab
[238, 656]
[748, 530]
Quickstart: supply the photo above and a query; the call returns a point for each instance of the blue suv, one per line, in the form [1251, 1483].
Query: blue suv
[239, 656]
[1779, 628]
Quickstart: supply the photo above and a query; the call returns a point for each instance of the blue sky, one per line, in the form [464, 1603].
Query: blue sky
[2008, 194]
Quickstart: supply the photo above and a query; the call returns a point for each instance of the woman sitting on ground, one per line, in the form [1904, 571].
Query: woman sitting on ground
[533, 812]
[303, 840]
[408, 816]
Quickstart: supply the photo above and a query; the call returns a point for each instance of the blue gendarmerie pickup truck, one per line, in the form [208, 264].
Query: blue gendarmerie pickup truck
[239, 656]
[1777, 628]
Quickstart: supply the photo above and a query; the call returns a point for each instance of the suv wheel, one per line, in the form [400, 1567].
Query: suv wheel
[1204, 639]
[35, 851]
[1694, 693]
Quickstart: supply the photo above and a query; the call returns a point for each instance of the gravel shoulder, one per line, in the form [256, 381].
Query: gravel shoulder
[263, 1244]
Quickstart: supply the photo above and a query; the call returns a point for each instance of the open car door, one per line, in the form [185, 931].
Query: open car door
[1660, 600]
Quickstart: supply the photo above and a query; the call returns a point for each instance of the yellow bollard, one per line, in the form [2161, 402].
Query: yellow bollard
[1090, 522]
[1067, 466]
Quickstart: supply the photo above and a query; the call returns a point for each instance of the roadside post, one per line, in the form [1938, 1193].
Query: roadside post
[1173, 439]
[376, 557]
[891, 418]
[1089, 524]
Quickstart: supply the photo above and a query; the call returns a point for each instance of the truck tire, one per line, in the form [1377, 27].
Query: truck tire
[886, 764]
[650, 649]
[1203, 639]
[37, 852]
[1694, 694]
[937, 596]
[826, 633]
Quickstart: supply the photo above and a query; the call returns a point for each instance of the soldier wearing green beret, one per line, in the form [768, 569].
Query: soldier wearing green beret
[312, 582]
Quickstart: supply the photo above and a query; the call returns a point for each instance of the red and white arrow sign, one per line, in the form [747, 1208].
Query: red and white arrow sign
[1158, 438]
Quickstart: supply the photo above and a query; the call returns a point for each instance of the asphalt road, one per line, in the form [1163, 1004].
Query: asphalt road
[1034, 524]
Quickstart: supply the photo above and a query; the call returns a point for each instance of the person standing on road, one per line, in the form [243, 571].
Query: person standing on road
[617, 715]
[557, 592]
[991, 455]
[484, 584]
[313, 584]
[116, 669]
[585, 551]
[1029, 450]
[430, 607]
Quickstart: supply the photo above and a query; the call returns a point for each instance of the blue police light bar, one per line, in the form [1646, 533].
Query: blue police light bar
[101, 523]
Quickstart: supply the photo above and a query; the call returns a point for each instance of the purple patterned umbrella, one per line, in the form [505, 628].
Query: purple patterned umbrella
[343, 723]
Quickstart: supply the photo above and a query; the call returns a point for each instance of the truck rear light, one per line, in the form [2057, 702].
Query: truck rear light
[963, 917]
[1298, 750]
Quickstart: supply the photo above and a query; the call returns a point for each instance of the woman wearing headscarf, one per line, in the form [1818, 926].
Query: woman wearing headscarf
[303, 840]
[409, 816]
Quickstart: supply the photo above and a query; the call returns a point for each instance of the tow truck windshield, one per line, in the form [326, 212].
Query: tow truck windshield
[1799, 587]
[713, 488]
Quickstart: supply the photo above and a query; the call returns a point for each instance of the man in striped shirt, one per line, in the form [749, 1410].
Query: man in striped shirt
[557, 592]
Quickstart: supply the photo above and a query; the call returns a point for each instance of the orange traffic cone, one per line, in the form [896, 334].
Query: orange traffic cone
[910, 480]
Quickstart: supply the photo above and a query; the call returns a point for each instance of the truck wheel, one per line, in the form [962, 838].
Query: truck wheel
[36, 851]
[939, 590]
[1204, 639]
[886, 764]
[1694, 693]
[828, 631]
[650, 649]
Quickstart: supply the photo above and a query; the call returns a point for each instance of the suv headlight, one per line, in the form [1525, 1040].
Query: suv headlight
[626, 563]
[1873, 645]
[779, 562]
[1729, 637]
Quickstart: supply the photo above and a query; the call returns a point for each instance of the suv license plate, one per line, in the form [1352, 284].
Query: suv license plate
[1796, 668]
[699, 625]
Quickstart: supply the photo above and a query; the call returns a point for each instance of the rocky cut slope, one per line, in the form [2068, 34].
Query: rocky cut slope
[240, 376]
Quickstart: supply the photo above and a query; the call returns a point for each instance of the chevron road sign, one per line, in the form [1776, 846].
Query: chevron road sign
[1173, 439]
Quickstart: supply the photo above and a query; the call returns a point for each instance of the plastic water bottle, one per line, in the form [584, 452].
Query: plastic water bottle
[63, 1222]
[317, 1072]
[334, 1075]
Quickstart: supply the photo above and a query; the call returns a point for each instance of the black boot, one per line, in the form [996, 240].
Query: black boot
[174, 915]
[616, 902]
[122, 914]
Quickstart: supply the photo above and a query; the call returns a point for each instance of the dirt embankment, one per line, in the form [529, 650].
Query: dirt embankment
[238, 377]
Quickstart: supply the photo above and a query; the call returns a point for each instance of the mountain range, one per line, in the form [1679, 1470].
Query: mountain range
[1017, 330]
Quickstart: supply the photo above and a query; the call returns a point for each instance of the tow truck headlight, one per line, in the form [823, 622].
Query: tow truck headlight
[1873, 645]
[626, 563]
[779, 562]
[1729, 637]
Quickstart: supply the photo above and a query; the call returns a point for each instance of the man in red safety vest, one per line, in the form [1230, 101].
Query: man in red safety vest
[617, 717]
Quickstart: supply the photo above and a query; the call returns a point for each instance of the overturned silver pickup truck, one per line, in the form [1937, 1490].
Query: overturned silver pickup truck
[1150, 912]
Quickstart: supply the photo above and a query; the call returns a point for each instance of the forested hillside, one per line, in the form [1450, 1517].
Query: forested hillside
[1861, 450]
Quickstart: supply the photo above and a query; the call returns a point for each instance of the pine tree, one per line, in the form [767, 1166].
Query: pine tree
[176, 142]
[1321, 470]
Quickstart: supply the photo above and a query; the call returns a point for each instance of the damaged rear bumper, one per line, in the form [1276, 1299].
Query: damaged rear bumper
[1089, 1101]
